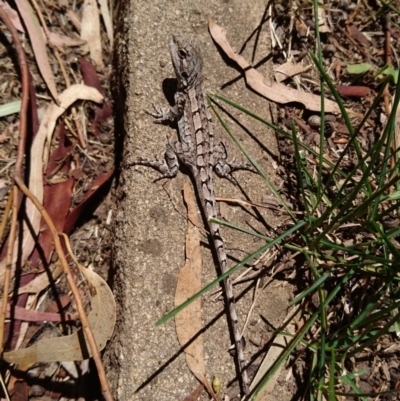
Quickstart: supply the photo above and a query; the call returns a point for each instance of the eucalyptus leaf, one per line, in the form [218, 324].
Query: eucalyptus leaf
[359, 68]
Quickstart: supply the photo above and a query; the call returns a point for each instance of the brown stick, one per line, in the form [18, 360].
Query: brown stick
[105, 388]
[18, 164]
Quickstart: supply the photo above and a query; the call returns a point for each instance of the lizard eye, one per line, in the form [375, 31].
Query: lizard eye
[182, 53]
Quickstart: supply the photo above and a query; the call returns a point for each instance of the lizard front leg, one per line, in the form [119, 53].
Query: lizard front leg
[163, 115]
[174, 149]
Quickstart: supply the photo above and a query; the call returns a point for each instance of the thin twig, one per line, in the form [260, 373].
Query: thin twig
[5, 214]
[18, 164]
[105, 388]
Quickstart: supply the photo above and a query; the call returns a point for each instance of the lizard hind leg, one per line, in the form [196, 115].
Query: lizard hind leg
[168, 168]
[222, 167]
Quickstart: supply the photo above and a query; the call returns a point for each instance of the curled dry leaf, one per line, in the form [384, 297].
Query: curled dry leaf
[271, 90]
[102, 318]
[53, 112]
[188, 321]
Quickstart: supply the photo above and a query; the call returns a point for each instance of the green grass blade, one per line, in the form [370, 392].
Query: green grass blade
[222, 277]
[254, 163]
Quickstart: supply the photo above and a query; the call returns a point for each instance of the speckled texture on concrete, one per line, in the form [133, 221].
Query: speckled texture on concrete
[144, 361]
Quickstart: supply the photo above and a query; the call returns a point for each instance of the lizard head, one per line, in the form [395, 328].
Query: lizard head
[186, 58]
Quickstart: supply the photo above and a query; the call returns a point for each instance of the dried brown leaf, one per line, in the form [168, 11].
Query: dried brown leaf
[96, 187]
[28, 315]
[13, 15]
[102, 318]
[90, 75]
[56, 38]
[65, 41]
[277, 348]
[271, 90]
[57, 202]
[38, 44]
[33, 216]
[74, 19]
[188, 322]
[195, 394]
[323, 26]
[91, 31]
[358, 35]
[105, 13]
[41, 281]
[287, 70]
[353, 90]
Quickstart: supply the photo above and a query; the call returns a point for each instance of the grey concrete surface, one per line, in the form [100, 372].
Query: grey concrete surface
[145, 362]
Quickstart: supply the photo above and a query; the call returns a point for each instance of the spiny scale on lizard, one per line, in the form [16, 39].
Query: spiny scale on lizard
[195, 149]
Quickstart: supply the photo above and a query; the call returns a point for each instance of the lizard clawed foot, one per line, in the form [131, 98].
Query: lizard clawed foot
[161, 167]
[168, 168]
[161, 115]
[224, 169]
